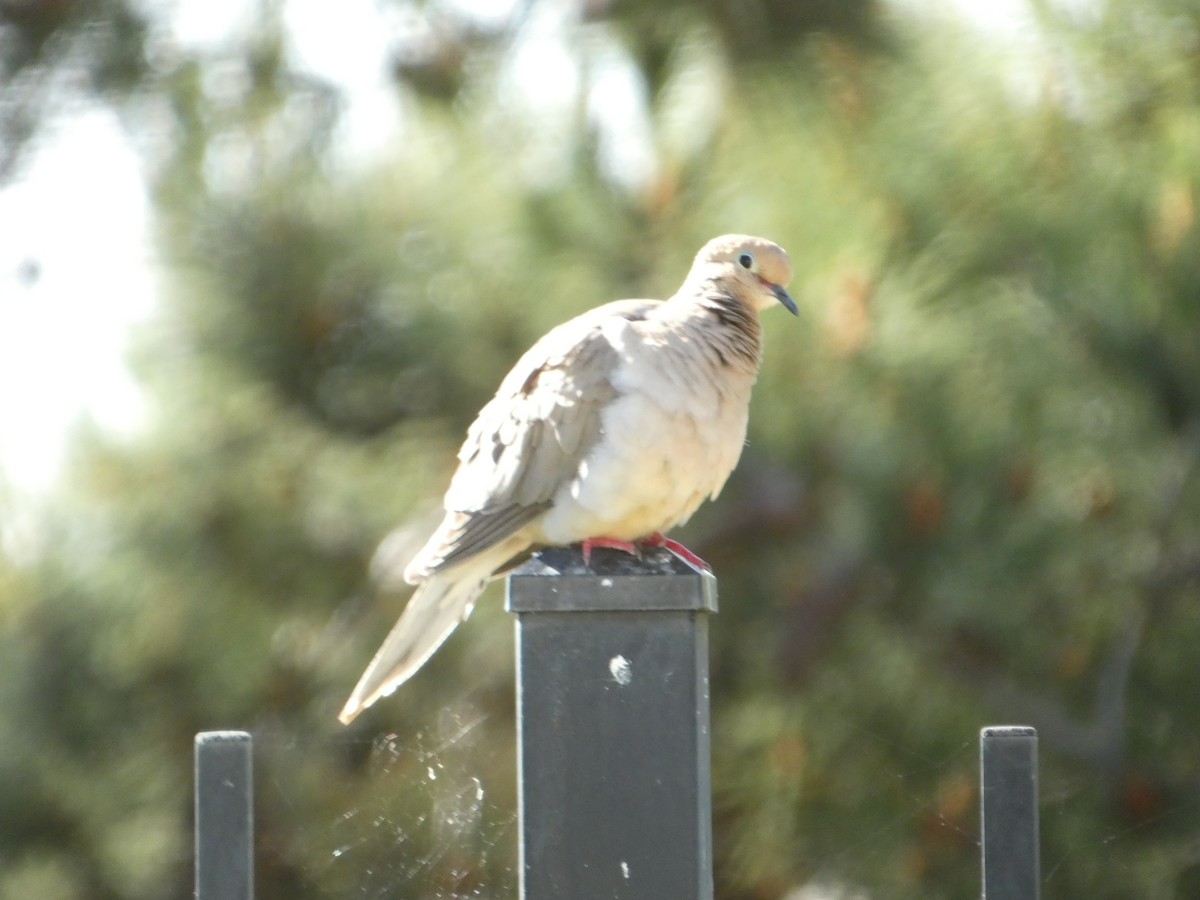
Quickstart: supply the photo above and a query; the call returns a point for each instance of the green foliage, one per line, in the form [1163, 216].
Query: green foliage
[970, 494]
[95, 48]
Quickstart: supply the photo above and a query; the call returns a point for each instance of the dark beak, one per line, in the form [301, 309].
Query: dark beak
[785, 298]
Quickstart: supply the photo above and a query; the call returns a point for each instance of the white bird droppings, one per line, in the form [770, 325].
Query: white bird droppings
[605, 582]
[622, 671]
[625, 869]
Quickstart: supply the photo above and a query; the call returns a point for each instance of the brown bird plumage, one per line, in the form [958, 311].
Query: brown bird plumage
[616, 424]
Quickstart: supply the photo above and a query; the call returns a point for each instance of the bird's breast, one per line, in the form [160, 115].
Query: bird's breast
[668, 441]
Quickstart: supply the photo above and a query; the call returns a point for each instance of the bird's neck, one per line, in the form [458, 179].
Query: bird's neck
[732, 327]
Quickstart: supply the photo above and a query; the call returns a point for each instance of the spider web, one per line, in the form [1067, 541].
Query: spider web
[423, 824]
[435, 821]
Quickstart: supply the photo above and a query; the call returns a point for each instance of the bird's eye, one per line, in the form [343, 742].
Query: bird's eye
[746, 261]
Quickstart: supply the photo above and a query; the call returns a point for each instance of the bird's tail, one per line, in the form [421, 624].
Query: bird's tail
[432, 613]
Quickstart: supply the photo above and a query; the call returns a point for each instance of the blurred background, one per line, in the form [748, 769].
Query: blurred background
[261, 261]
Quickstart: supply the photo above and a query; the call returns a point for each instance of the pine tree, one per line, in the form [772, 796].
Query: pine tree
[969, 495]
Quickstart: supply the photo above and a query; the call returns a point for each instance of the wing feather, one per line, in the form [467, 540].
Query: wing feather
[529, 439]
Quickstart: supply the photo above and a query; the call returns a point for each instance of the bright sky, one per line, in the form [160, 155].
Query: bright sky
[75, 273]
[76, 261]
[77, 267]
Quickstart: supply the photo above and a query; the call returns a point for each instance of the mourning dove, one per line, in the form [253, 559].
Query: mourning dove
[609, 431]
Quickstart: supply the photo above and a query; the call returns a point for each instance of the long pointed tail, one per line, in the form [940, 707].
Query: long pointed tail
[432, 613]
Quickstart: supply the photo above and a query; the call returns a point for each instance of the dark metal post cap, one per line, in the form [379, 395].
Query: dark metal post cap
[558, 580]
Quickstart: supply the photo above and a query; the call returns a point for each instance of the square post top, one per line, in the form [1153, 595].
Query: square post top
[558, 580]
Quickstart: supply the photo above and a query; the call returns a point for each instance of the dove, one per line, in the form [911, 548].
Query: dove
[610, 431]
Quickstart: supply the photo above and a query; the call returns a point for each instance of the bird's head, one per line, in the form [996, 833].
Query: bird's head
[756, 269]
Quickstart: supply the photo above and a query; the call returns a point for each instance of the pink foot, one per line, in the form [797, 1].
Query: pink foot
[607, 543]
[658, 540]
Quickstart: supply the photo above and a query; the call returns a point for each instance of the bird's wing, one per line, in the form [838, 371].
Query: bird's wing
[529, 439]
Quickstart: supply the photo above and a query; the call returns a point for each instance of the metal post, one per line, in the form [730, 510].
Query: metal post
[613, 734]
[1009, 812]
[224, 816]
